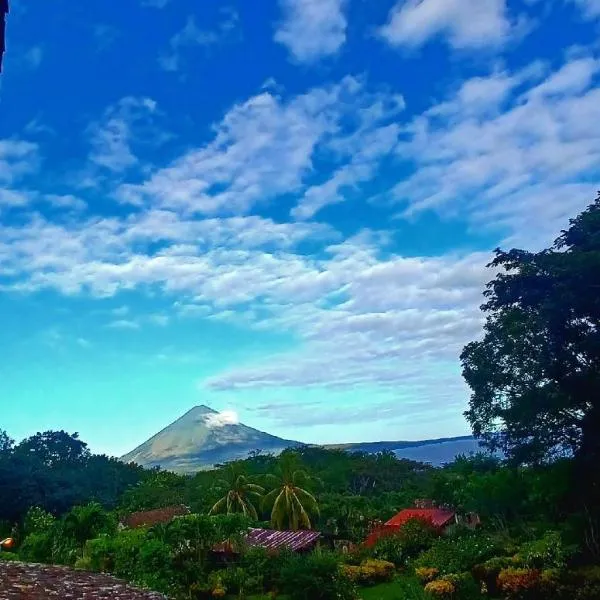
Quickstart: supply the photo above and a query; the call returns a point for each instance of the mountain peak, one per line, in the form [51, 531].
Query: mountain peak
[203, 437]
[200, 410]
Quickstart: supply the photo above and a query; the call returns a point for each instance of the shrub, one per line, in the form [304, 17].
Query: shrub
[441, 588]
[84, 564]
[465, 586]
[239, 581]
[37, 520]
[391, 549]
[457, 555]
[426, 574]
[487, 573]
[100, 553]
[38, 547]
[370, 572]
[519, 583]
[581, 584]
[545, 553]
[8, 556]
[317, 576]
[416, 536]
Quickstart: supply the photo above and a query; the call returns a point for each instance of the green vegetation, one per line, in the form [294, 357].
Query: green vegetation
[535, 381]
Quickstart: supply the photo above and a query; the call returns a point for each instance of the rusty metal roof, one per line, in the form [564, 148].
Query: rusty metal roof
[271, 539]
[152, 517]
[21, 581]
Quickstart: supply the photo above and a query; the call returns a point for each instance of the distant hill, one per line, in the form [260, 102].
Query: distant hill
[436, 452]
[198, 440]
[193, 443]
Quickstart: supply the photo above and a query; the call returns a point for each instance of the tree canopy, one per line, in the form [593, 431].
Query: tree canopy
[535, 375]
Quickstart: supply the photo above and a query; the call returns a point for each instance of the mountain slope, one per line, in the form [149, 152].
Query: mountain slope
[197, 441]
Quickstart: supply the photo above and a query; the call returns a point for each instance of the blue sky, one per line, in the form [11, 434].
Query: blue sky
[281, 208]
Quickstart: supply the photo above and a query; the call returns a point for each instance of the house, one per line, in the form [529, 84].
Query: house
[148, 518]
[272, 540]
[439, 518]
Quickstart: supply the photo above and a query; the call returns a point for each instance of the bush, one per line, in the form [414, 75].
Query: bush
[519, 583]
[416, 536]
[391, 549]
[545, 553]
[37, 520]
[409, 541]
[265, 566]
[8, 556]
[426, 574]
[370, 572]
[441, 588]
[465, 586]
[487, 573]
[457, 555]
[239, 581]
[317, 576]
[580, 584]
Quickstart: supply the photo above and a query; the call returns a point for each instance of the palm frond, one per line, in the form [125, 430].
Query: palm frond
[218, 506]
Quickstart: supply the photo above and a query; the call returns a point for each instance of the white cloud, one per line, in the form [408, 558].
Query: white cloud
[265, 146]
[65, 201]
[124, 324]
[161, 320]
[111, 138]
[17, 159]
[191, 35]
[495, 166]
[33, 57]
[222, 419]
[83, 342]
[589, 8]
[463, 23]
[312, 29]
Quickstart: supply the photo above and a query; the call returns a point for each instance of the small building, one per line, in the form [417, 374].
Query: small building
[439, 518]
[147, 518]
[274, 541]
[270, 539]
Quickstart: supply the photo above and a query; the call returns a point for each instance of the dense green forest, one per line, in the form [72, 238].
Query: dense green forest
[535, 382]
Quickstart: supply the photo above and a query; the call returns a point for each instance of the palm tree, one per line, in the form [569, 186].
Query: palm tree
[289, 503]
[241, 495]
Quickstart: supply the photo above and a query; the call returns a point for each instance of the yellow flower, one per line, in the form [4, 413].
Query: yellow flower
[441, 588]
[426, 574]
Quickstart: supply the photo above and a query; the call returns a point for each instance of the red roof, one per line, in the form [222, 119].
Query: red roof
[438, 517]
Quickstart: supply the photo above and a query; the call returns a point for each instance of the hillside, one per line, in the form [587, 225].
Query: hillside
[198, 441]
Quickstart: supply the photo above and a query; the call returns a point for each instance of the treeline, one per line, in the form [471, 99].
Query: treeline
[56, 471]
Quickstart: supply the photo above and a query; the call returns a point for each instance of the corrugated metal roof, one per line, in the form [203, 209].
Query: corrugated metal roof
[438, 517]
[271, 539]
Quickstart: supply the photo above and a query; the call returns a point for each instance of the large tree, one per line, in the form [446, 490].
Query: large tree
[535, 375]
